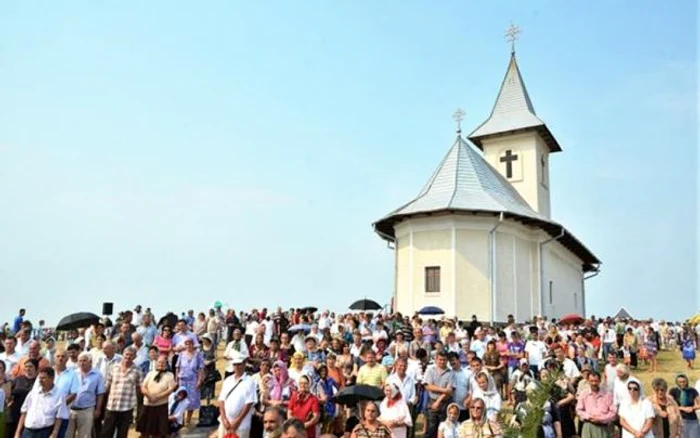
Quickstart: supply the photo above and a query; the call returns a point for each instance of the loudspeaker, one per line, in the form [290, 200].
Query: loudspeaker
[107, 308]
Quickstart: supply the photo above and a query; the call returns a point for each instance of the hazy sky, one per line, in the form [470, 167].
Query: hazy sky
[175, 153]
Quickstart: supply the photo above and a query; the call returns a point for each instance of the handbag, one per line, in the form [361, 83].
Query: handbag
[209, 414]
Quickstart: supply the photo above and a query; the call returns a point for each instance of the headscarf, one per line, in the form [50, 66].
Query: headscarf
[395, 394]
[684, 396]
[279, 384]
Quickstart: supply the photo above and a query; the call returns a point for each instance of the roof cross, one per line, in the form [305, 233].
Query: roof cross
[512, 35]
[458, 116]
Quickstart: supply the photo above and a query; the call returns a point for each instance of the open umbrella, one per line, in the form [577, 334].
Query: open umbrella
[694, 319]
[571, 318]
[309, 309]
[351, 395]
[299, 328]
[170, 319]
[431, 310]
[365, 305]
[78, 320]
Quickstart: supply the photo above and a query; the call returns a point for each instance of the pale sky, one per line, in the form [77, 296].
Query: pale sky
[174, 153]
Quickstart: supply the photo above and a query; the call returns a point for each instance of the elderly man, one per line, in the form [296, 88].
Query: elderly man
[33, 354]
[107, 359]
[623, 378]
[272, 423]
[44, 409]
[122, 386]
[88, 400]
[140, 347]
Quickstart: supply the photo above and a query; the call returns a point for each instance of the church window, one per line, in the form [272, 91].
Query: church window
[550, 291]
[432, 279]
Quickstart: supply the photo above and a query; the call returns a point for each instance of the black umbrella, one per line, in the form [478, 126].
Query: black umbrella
[170, 319]
[78, 320]
[365, 305]
[309, 309]
[351, 395]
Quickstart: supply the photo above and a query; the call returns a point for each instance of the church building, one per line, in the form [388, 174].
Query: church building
[479, 238]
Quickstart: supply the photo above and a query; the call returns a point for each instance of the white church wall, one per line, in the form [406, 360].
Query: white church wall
[402, 298]
[505, 276]
[562, 282]
[523, 279]
[473, 282]
[542, 185]
[432, 248]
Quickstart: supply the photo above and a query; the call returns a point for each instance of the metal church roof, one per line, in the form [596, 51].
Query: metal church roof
[465, 182]
[513, 112]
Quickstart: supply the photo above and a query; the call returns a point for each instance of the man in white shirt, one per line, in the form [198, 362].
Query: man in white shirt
[478, 345]
[10, 356]
[568, 366]
[44, 409]
[236, 399]
[107, 359]
[536, 351]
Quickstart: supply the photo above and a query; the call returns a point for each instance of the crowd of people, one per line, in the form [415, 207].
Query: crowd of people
[282, 370]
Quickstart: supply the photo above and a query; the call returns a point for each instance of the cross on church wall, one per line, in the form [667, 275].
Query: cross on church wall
[508, 158]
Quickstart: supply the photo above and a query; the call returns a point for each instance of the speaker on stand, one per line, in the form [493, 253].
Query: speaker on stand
[107, 309]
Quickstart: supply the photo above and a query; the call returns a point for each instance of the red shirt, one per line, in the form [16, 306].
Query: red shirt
[303, 408]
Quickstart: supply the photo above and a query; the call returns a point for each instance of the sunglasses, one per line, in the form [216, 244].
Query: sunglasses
[633, 388]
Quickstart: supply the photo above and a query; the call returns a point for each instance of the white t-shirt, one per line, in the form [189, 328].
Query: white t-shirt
[252, 328]
[536, 351]
[635, 415]
[243, 394]
[10, 360]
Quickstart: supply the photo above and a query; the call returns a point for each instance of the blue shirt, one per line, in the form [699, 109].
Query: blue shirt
[90, 386]
[17, 324]
[66, 382]
[148, 334]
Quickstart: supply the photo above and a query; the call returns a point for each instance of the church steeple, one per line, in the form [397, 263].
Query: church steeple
[513, 112]
[515, 141]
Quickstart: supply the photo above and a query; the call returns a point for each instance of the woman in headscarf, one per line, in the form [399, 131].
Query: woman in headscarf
[394, 412]
[210, 372]
[478, 425]
[278, 387]
[305, 407]
[668, 418]
[177, 406]
[688, 402]
[50, 350]
[324, 389]
[688, 348]
[156, 388]
[297, 369]
[636, 413]
[450, 427]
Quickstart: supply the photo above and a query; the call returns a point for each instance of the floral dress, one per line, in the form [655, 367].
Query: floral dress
[189, 367]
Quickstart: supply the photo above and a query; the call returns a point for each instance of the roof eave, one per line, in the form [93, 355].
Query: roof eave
[542, 129]
[590, 263]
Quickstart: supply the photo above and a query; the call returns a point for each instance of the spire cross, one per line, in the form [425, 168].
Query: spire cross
[458, 116]
[512, 34]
